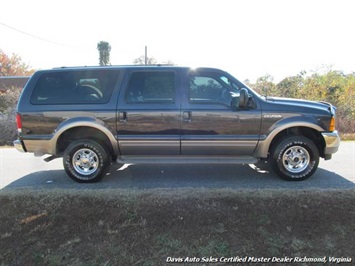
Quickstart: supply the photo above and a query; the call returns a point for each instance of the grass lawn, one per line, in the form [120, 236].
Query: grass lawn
[153, 227]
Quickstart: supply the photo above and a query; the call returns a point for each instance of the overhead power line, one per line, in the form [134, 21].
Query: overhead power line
[34, 36]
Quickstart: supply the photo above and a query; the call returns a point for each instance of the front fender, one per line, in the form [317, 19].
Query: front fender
[274, 129]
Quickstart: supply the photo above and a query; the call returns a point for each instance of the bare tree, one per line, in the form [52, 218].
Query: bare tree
[141, 61]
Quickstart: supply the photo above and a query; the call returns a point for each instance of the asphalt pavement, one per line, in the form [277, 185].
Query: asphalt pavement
[24, 171]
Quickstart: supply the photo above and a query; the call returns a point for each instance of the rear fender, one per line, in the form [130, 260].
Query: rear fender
[84, 122]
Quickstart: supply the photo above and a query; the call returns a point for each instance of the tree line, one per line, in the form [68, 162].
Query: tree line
[330, 86]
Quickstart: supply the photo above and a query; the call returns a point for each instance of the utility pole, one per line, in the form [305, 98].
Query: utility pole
[146, 55]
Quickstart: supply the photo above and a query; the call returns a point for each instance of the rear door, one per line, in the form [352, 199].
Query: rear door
[210, 126]
[149, 113]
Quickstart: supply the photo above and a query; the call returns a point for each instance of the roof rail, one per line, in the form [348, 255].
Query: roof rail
[150, 65]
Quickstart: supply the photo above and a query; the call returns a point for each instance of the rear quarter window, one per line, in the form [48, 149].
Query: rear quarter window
[75, 87]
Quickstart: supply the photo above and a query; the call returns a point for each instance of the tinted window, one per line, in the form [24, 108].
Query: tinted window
[212, 89]
[151, 87]
[75, 87]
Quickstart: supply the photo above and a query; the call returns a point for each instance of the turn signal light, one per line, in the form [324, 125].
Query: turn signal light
[332, 124]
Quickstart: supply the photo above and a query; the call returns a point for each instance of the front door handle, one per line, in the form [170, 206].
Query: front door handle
[122, 117]
[186, 116]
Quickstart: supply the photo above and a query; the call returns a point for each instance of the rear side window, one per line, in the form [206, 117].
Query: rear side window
[75, 87]
[151, 87]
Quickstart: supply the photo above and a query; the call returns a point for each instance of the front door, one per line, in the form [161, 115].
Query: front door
[148, 113]
[210, 126]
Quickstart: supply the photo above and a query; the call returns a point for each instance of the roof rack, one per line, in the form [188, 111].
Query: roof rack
[107, 66]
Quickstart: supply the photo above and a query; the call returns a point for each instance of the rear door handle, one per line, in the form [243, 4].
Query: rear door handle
[186, 116]
[122, 117]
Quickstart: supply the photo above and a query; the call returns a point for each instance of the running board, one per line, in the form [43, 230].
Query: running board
[187, 159]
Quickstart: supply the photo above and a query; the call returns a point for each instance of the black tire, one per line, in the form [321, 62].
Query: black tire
[295, 158]
[86, 161]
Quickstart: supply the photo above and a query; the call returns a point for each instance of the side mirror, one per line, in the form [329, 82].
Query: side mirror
[243, 98]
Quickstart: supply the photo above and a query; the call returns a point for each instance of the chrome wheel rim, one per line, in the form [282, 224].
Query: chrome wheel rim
[85, 161]
[296, 159]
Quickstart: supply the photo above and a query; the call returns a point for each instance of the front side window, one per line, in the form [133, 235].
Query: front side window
[75, 87]
[211, 88]
[151, 87]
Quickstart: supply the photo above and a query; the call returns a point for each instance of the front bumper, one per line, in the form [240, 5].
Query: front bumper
[19, 145]
[332, 142]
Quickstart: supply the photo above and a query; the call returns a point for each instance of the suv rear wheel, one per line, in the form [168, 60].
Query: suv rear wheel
[86, 161]
[295, 158]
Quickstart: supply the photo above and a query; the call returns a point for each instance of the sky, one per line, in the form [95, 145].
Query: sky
[247, 38]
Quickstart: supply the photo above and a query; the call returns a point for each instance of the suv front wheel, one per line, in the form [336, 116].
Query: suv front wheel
[86, 161]
[295, 158]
